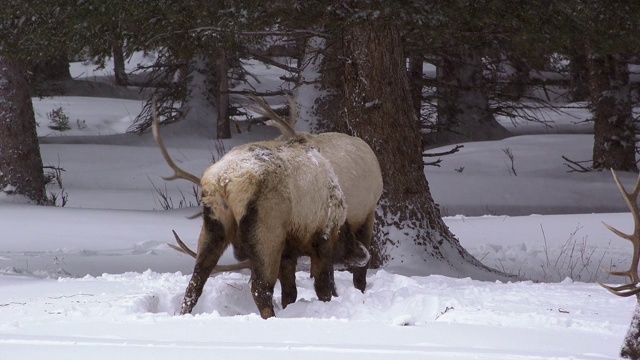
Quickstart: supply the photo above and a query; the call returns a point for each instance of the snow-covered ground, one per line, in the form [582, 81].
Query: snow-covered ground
[95, 279]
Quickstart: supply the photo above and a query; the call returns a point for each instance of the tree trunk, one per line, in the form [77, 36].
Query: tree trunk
[317, 91]
[377, 107]
[415, 75]
[579, 73]
[224, 125]
[520, 79]
[200, 106]
[463, 103]
[614, 131]
[46, 76]
[20, 162]
[631, 344]
[51, 69]
[118, 64]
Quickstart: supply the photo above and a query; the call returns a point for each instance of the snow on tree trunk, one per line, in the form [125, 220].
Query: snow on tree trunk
[631, 344]
[377, 107]
[463, 104]
[316, 95]
[199, 110]
[20, 162]
[614, 132]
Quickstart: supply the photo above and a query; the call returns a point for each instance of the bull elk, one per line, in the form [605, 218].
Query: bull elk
[358, 171]
[631, 346]
[273, 201]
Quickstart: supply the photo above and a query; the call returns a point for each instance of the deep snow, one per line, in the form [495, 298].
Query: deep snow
[95, 279]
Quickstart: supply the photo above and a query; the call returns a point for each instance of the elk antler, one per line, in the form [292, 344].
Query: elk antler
[265, 110]
[631, 200]
[183, 248]
[178, 172]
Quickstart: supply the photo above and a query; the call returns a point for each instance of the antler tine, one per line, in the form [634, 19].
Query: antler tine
[632, 203]
[622, 290]
[178, 172]
[183, 248]
[267, 111]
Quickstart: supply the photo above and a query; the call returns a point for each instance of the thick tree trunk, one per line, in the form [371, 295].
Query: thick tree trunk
[463, 104]
[377, 107]
[614, 131]
[20, 162]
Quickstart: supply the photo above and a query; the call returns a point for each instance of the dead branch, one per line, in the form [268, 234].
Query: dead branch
[452, 151]
[272, 62]
[433, 163]
[578, 167]
[258, 93]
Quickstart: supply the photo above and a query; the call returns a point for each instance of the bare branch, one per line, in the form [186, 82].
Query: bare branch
[433, 163]
[452, 151]
[578, 167]
[272, 62]
[258, 93]
[305, 32]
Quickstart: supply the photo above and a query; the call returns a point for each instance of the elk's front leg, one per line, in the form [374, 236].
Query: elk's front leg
[211, 245]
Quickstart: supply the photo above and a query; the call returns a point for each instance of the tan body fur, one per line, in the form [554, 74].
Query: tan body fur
[358, 171]
[273, 201]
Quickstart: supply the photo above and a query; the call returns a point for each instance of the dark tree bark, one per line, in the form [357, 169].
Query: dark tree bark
[377, 107]
[46, 76]
[51, 69]
[579, 73]
[614, 131]
[20, 162]
[416, 82]
[520, 79]
[118, 64]
[463, 103]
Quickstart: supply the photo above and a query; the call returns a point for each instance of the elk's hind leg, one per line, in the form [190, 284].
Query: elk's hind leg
[264, 243]
[322, 265]
[211, 245]
[364, 235]
[288, 277]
